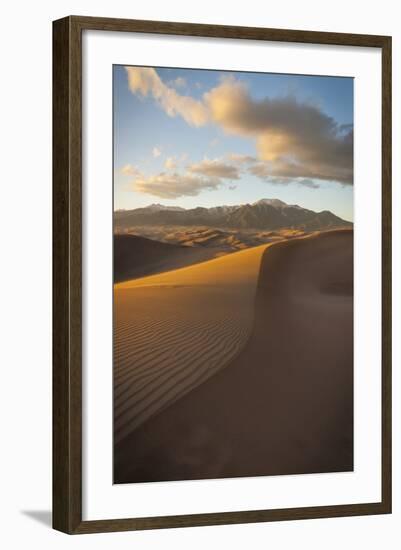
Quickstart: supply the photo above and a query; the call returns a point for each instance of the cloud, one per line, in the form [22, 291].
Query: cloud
[129, 170]
[206, 175]
[156, 152]
[282, 170]
[242, 159]
[215, 168]
[209, 174]
[307, 183]
[270, 175]
[296, 139]
[179, 82]
[304, 182]
[170, 163]
[146, 81]
[173, 186]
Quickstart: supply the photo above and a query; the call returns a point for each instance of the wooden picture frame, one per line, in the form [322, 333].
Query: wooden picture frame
[67, 274]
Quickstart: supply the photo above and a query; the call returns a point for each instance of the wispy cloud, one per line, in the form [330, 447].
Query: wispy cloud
[170, 163]
[283, 172]
[129, 170]
[242, 159]
[156, 152]
[179, 82]
[145, 81]
[269, 174]
[296, 139]
[215, 168]
[208, 174]
[173, 186]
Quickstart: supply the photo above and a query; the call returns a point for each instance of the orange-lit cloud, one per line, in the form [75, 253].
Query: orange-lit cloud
[170, 163]
[293, 139]
[215, 168]
[172, 186]
[209, 174]
[241, 159]
[129, 170]
[297, 139]
[146, 81]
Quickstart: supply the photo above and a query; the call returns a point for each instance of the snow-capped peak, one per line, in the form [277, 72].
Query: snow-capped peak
[272, 202]
[223, 209]
[158, 207]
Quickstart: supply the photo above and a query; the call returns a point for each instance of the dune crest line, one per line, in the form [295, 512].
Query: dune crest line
[284, 405]
[174, 330]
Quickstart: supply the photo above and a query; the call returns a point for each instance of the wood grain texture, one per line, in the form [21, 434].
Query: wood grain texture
[67, 273]
[386, 275]
[67, 279]
[229, 518]
[226, 31]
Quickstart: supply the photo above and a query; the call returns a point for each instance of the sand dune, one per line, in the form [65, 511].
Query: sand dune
[210, 238]
[173, 330]
[136, 256]
[284, 405]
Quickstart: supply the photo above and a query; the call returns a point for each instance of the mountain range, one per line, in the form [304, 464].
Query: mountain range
[266, 214]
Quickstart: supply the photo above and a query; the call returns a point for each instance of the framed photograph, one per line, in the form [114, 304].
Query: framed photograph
[222, 273]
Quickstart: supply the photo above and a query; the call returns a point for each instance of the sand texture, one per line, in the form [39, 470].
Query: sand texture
[174, 330]
[136, 256]
[284, 402]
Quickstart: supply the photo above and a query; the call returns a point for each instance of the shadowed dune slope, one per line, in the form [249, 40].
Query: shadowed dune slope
[136, 256]
[174, 330]
[284, 405]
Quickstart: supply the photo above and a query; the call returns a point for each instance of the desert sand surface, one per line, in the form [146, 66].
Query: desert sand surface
[223, 240]
[174, 330]
[284, 404]
[136, 256]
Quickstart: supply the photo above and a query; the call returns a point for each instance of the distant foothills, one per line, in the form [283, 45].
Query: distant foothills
[265, 214]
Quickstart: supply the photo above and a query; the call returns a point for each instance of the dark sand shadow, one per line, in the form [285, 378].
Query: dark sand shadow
[285, 405]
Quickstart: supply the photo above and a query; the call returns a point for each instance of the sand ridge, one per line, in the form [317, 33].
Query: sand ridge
[237, 269]
[284, 405]
[136, 256]
[174, 330]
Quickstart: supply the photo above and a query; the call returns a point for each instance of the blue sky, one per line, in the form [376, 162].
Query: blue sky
[192, 137]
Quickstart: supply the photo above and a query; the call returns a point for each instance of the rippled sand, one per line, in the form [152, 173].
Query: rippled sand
[284, 403]
[173, 330]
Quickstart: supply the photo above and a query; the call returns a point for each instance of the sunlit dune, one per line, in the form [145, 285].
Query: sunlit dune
[284, 405]
[174, 330]
[136, 256]
[212, 240]
[233, 270]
